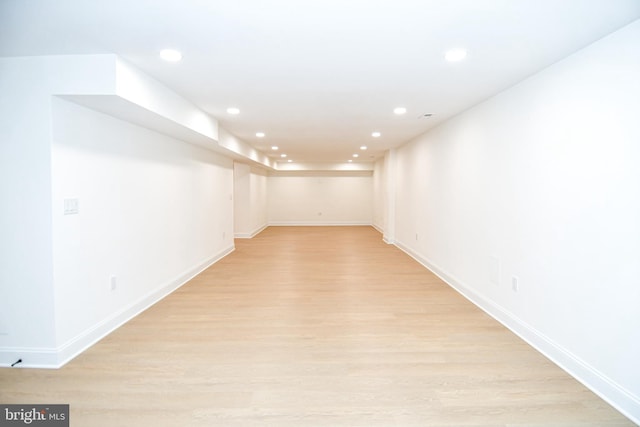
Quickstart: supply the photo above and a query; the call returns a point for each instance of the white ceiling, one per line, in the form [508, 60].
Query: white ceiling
[318, 76]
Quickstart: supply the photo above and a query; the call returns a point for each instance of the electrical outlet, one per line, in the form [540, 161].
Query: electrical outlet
[114, 283]
[416, 236]
[71, 207]
[515, 285]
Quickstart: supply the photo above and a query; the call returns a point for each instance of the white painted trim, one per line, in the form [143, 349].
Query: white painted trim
[41, 358]
[617, 396]
[318, 224]
[58, 357]
[251, 235]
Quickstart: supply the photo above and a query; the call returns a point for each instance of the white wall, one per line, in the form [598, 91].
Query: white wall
[26, 267]
[379, 195]
[241, 199]
[320, 198]
[250, 200]
[153, 211]
[542, 183]
[258, 198]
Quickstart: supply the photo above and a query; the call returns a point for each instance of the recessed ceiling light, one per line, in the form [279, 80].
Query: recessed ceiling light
[350, 161]
[399, 110]
[233, 110]
[289, 160]
[170, 55]
[455, 55]
[283, 155]
[355, 155]
[260, 134]
[274, 148]
[364, 147]
[377, 134]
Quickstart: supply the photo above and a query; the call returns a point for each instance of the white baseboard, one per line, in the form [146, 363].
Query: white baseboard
[58, 357]
[29, 357]
[301, 224]
[317, 223]
[616, 395]
[252, 234]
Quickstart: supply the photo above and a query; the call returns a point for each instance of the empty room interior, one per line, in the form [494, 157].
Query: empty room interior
[321, 213]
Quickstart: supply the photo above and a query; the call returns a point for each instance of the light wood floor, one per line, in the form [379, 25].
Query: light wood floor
[313, 326]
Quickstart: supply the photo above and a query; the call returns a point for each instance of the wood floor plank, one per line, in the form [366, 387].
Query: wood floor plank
[313, 326]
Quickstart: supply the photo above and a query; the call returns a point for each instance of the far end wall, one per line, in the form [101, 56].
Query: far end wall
[320, 198]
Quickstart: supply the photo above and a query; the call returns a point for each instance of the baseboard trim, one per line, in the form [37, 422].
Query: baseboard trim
[614, 394]
[252, 234]
[57, 357]
[40, 358]
[317, 223]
